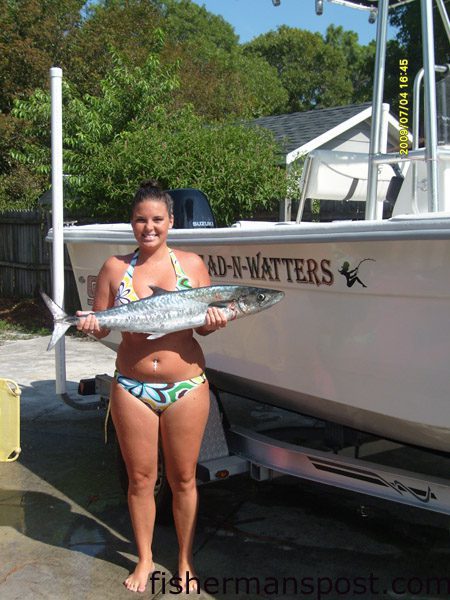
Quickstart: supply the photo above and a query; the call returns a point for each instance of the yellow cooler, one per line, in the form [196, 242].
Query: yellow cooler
[9, 420]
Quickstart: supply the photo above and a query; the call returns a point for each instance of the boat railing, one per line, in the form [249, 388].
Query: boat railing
[440, 153]
[427, 181]
[414, 197]
[343, 176]
[431, 153]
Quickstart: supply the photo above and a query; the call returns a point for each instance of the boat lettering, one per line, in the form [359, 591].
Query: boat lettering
[202, 223]
[270, 268]
[91, 283]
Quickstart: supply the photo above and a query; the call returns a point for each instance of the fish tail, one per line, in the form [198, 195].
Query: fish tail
[60, 326]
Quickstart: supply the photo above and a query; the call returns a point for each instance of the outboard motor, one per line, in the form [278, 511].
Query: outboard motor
[191, 209]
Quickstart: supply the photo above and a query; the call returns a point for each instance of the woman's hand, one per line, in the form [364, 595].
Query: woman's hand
[88, 322]
[215, 319]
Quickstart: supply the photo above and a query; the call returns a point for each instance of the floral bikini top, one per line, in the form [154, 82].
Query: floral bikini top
[126, 293]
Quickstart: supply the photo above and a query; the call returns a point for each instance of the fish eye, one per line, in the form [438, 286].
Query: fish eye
[261, 297]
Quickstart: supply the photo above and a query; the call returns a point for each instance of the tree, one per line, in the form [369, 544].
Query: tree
[407, 20]
[260, 86]
[359, 60]
[128, 26]
[409, 46]
[394, 52]
[33, 37]
[132, 131]
[312, 72]
[215, 76]
[19, 186]
[186, 22]
[227, 85]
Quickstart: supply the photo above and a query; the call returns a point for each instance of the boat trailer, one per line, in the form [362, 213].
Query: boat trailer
[229, 450]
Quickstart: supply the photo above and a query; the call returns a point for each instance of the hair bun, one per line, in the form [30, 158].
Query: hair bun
[150, 183]
[152, 190]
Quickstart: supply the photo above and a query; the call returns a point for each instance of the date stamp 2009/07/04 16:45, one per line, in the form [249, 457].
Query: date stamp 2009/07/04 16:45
[403, 105]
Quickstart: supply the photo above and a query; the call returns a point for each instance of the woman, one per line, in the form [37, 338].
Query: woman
[159, 385]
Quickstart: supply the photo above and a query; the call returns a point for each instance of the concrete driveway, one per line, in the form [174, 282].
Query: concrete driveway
[65, 530]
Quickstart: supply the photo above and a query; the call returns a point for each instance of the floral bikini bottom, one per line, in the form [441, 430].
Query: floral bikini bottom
[158, 395]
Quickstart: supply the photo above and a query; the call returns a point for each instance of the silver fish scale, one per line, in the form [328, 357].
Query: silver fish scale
[164, 312]
[168, 311]
[155, 316]
[174, 311]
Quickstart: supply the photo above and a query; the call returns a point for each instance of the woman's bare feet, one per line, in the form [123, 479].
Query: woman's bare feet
[189, 581]
[137, 581]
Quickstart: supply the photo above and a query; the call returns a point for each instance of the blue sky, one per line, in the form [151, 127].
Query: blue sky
[253, 17]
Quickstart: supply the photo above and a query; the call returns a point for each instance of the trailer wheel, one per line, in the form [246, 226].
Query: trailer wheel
[163, 494]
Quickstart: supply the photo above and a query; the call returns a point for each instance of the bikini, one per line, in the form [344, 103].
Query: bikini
[156, 395]
[126, 293]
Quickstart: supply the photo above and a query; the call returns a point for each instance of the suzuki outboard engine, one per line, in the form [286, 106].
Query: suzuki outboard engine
[191, 209]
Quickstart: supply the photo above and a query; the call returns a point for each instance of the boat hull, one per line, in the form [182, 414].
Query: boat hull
[362, 337]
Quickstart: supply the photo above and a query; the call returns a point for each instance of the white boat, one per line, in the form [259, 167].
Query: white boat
[362, 338]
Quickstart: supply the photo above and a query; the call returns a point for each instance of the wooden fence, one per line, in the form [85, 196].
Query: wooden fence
[25, 258]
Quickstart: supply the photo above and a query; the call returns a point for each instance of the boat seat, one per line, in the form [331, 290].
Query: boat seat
[342, 176]
[191, 209]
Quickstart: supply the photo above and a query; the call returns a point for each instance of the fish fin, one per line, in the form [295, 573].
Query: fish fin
[59, 330]
[155, 336]
[158, 291]
[219, 304]
[57, 311]
[58, 315]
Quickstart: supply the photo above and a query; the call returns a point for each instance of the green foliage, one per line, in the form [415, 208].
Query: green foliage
[394, 52]
[166, 108]
[19, 187]
[37, 34]
[408, 22]
[359, 60]
[9, 331]
[33, 36]
[129, 27]
[186, 22]
[133, 130]
[216, 77]
[408, 46]
[259, 87]
[222, 85]
[235, 166]
[312, 72]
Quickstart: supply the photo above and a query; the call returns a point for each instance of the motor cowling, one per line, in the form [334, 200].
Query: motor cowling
[191, 209]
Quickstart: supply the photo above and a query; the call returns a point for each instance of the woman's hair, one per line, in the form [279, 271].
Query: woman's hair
[151, 190]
